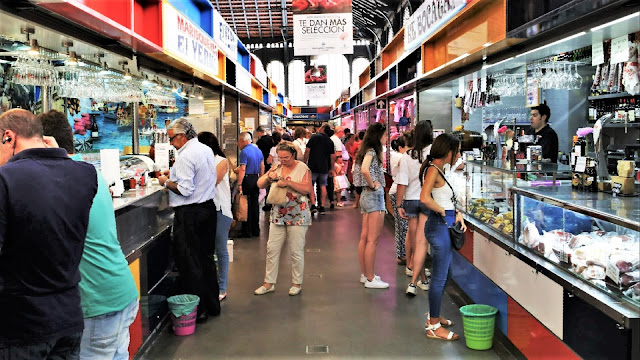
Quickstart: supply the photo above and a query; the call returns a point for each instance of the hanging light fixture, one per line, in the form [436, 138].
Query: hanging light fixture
[105, 69]
[127, 73]
[73, 59]
[173, 87]
[34, 49]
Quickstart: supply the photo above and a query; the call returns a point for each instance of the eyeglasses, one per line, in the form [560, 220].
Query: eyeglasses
[174, 136]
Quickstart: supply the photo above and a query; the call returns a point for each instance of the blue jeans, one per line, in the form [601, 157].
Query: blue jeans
[107, 336]
[222, 235]
[63, 348]
[437, 233]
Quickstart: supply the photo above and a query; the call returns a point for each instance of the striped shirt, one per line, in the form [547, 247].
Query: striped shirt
[195, 173]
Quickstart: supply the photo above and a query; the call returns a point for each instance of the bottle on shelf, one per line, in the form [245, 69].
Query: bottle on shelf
[95, 131]
[631, 110]
[573, 152]
[592, 110]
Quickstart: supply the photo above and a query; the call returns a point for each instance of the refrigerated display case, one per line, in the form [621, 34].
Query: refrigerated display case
[488, 199]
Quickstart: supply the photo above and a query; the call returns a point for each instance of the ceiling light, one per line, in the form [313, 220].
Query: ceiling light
[486, 66]
[34, 49]
[615, 21]
[183, 92]
[127, 75]
[553, 43]
[200, 97]
[173, 88]
[105, 69]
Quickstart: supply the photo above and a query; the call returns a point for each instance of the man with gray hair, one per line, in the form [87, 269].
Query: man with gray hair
[192, 185]
[250, 168]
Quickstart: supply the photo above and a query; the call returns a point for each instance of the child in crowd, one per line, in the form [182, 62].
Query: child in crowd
[339, 180]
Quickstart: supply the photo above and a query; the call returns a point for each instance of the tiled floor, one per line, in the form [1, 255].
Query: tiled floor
[333, 310]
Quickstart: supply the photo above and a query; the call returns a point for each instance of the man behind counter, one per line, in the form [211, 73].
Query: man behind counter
[544, 135]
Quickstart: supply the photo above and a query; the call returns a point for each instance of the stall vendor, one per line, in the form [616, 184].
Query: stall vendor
[544, 135]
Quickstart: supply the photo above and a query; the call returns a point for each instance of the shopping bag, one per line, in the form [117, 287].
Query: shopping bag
[340, 182]
[240, 207]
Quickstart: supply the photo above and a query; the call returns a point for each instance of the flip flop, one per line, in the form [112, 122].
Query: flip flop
[431, 333]
[222, 297]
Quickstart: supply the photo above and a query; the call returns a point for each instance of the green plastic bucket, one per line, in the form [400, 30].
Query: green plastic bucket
[478, 322]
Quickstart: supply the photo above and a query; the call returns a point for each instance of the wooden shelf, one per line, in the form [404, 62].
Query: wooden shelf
[610, 96]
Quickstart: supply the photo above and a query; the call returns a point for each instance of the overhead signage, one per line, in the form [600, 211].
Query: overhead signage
[185, 41]
[305, 116]
[315, 80]
[322, 28]
[381, 104]
[428, 18]
[224, 36]
[597, 53]
[260, 73]
[620, 49]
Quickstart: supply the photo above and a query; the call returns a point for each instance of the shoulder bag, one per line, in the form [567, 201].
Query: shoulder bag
[277, 195]
[455, 232]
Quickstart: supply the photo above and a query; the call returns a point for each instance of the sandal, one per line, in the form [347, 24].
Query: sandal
[446, 324]
[431, 333]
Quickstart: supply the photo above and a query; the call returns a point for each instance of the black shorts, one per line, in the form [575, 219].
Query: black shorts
[358, 190]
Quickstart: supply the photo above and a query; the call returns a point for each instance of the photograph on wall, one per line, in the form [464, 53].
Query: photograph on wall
[322, 27]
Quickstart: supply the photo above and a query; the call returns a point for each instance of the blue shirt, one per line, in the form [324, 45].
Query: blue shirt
[195, 173]
[251, 156]
[45, 198]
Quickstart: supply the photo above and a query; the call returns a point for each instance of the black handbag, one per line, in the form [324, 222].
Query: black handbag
[455, 232]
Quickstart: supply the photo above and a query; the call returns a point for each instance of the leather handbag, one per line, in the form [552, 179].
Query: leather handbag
[455, 232]
[240, 207]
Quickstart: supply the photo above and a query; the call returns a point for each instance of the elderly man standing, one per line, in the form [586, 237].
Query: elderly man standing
[192, 188]
[45, 198]
[250, 168]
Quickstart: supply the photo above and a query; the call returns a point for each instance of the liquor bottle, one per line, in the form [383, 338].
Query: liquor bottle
[95, 132]
[592, 111]
[581, 147]
[631, 110]
[637, 110]
[573, 152]
[590, 183]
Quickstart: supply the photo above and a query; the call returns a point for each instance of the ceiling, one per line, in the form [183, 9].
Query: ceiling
[262, 20]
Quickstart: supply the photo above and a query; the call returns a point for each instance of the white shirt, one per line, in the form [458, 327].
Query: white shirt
[337, 144]
[274, 156]
[395, 168]
[223, 192]
[302, 144]
[409, 174]
[193, 171]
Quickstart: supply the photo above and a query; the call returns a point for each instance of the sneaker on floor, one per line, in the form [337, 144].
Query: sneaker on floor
[376, 283]
[363, 279]
[314, 209]
[321, 210]
[423, 285]
[340, 204]
[408, 271]
[332, 206]
[412, 290]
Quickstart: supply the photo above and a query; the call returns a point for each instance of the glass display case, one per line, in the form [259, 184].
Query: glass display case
[488, 198]
[594, 237]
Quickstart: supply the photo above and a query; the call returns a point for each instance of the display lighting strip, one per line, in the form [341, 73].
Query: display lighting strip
[486, 66]
[553, 43]
[615, 21]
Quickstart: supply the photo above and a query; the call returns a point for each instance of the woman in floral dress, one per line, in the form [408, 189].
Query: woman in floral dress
[289, 221]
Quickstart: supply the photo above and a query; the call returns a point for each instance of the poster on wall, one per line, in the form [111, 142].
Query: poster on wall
[321, 27]
[315, 81]
[186, 42]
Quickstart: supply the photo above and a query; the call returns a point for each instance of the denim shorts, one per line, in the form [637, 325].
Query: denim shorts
[320, 179]
[414, 207]
[372, 201]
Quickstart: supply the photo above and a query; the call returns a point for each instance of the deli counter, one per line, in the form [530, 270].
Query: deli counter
[564, 262]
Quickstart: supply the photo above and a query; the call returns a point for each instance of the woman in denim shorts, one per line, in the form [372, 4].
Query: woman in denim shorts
[369, 174]
[439, 198]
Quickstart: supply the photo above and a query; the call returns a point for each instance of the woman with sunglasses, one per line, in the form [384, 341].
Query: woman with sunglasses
[369, 173]
[440, 199]
[289, 221]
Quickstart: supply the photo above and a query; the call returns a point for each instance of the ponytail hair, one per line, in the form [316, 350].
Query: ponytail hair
[442, 146]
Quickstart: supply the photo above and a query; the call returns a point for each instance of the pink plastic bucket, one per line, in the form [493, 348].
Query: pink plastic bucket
[185, 325]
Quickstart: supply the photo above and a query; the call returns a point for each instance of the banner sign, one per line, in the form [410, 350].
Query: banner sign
[315, 80]
[429, 17]
[224, 36]
[260, 73]
[305, 116]
[243, 80]
[322, 27]
[186, 42]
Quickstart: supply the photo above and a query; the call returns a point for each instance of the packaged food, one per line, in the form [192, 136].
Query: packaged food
[594, 272]
[630, 278]
[633, 292]
[625, 261]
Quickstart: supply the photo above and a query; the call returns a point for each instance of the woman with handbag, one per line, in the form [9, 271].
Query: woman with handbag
[290, 184]
[369, 174]
[223, 203]
[439, 197]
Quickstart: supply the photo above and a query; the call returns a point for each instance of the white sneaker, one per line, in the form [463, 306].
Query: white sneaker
[408, 271]
[376, 283]
[363, 279]
[427, 272]
[423, 285]
[411, 290]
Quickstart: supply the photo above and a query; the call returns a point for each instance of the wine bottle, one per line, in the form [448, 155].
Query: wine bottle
[95, 132]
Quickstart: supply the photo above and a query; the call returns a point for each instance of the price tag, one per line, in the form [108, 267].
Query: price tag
[613, 272]
[620, 49]
[616, 188]
[475, 80]
[581, 164]
[597, 54]
[461, 87]
[483, 80]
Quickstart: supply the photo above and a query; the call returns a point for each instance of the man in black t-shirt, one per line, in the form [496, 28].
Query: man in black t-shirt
[320, 157]
[543, 134]
[264, 143]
